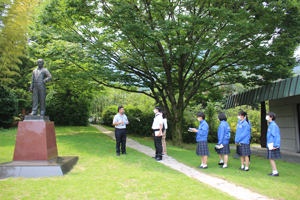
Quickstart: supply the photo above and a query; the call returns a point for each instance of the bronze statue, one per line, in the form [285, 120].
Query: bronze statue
[38, 87]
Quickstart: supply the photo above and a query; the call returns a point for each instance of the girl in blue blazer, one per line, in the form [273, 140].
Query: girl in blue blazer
[242, 140]
[273, 142]
[223, 138]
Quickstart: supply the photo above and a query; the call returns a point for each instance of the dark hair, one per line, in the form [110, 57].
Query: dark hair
[244, 114]
[164, 114]
[272, 115]
[201, 114]
[119, 108]
[222, 117]
[158, 108]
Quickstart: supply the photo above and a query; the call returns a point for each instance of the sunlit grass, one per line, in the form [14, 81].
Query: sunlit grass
[99, 174]
[286, 186]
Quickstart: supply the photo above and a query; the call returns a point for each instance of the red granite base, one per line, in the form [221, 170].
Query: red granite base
[35, 141]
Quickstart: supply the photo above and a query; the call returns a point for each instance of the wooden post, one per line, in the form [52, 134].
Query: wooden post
[264, 124]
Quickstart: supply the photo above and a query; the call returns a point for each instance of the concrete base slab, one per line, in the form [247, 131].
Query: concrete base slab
[57, 166]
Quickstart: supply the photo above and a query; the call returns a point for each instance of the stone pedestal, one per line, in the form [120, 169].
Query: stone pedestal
[58, 166]
[35, 139]
[36, 151]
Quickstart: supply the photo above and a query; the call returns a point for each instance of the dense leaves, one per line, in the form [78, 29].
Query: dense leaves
[14, 19]
[171, 50]
[67, 110]
[8, 105]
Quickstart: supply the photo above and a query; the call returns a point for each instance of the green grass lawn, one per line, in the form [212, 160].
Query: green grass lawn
[99, 174]
[286, 186]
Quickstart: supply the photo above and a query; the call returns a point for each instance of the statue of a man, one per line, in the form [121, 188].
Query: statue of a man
[40, 76]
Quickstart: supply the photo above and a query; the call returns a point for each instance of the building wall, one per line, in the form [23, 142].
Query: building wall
[286, 111]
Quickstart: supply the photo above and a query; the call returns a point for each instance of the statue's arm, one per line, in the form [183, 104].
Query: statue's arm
[49, 77]
[32, 81]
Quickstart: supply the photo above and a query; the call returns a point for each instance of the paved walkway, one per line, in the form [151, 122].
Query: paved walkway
[229, 188]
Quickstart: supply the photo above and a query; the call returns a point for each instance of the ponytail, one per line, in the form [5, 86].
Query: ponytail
[244, 114]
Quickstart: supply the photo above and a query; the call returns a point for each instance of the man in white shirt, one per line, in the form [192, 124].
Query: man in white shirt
[157, 132]
[120, 121]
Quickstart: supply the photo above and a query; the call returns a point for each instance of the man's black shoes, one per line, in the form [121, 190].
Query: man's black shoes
[118, 154]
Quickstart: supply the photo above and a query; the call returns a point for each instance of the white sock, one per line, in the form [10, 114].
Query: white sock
[221, 161]
[246, 168]
[225, 165]
[275, 172]
[201, 164]
[242, 166]
[204, 165]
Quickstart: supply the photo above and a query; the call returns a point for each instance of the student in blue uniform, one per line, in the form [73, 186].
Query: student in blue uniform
[273, 142]
[242, 140]
[223, 138]
[201, 138]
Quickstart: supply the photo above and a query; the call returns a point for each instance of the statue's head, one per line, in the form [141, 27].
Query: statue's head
[40, 62]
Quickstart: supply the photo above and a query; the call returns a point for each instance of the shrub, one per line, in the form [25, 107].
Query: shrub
[8, 105]
[66, 110]
[108, 115]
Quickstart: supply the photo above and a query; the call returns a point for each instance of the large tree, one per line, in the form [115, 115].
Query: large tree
[173, 49]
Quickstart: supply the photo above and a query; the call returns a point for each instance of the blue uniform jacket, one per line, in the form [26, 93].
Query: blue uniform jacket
[243, 132]
[273, 135]
[202, 131]
[223, 133]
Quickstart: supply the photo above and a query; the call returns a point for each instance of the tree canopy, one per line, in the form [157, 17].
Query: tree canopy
[172, 50]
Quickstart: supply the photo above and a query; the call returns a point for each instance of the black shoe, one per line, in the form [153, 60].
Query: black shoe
[158, 159]
[200, 167]
[223, 167]
[118, 154]
[220, 163]
[124, 153]
[246, 169]
[242, 168]
[273, 174]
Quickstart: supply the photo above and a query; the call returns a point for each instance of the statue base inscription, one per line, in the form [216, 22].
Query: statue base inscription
[35, 152]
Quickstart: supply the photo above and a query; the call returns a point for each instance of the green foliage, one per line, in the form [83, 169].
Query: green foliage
[22, 103]
[67, 110]
[15, 16]
[109, 96]
[174, 50]
[8, 105]
[108, 115]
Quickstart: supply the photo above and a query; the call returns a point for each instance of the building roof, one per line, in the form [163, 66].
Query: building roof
[281, 89]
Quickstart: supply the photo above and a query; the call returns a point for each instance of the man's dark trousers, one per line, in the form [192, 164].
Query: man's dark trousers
[121, 139]
[158, 147]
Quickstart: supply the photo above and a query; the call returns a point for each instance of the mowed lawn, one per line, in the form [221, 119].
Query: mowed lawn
[100, 174]
[286, 186]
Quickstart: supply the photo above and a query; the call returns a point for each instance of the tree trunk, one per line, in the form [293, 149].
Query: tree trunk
[176, 123]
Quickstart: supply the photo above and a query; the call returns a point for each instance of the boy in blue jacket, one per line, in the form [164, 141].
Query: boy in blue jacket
[201, 138]
[242, 140]
[273, 142]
